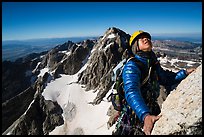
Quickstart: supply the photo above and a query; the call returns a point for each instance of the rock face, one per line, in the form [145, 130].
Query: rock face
[182, 110]
[12, 109]
[107, 52]
[39, 119]
[16, 75]
[14, 79]
[74, 62]
[54, 56]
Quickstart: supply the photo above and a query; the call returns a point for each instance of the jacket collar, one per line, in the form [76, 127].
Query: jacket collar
[146, 57]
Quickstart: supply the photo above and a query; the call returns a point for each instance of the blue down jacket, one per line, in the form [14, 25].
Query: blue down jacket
[131, 78]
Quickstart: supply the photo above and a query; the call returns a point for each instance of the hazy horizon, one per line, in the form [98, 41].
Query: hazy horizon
[31, 20]
[49, 38]
[154, 36]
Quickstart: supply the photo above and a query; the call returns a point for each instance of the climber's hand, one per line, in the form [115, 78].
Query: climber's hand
[189, 70]
[149, 121]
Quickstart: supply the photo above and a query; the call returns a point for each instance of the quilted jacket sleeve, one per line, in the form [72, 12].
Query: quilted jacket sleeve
[131, 79]
[169, 78]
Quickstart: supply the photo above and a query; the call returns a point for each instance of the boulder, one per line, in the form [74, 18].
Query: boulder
[182, 110]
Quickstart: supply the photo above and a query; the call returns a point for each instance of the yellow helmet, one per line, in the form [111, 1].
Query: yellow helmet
[135, 36]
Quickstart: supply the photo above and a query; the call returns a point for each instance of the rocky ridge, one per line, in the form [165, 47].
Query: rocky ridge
[56, 61]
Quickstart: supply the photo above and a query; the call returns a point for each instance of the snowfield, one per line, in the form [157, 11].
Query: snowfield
[82, 117]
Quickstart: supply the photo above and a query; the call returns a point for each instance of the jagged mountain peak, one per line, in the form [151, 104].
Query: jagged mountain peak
[107, 52]
[114, 30]
[114, 33]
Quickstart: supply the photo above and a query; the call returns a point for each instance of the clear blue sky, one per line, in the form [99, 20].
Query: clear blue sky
[27, 20]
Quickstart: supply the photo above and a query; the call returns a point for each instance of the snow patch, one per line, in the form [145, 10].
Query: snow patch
[163, 60]
[65, 52]
[34, 59]
[107, 46]
[42, 56]
[36, 67]
[111, 36]
[93, 50]
[91, 120]
[85, 60]
[104, 37]
[43, 71]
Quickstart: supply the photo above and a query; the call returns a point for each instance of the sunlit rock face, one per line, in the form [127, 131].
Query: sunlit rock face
[182, 110]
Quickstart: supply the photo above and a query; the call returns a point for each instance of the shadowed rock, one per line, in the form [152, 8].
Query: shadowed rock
[107, 52]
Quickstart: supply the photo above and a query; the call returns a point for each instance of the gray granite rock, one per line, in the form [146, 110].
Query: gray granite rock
[182, 110]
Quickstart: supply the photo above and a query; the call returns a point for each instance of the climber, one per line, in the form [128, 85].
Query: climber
[142, 97]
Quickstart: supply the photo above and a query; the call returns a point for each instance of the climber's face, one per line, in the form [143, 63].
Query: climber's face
[145, 43]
